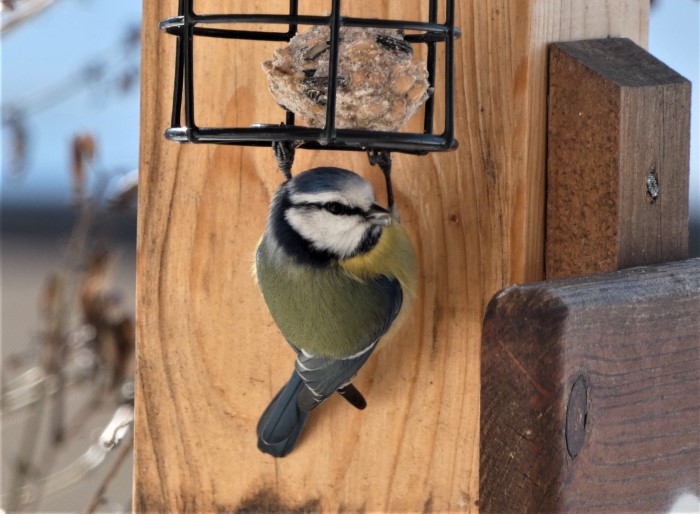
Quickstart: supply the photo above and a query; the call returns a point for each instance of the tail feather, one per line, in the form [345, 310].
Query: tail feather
[281, 424]
[353, 396]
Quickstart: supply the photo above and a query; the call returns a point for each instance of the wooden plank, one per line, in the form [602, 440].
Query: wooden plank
[209, 356]
[591, 392]
[618, 158]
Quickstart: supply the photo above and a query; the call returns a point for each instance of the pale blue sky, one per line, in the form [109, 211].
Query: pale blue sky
[53, 46]
[674, 38]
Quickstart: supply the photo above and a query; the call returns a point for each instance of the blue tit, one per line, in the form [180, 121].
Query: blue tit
[335, 269]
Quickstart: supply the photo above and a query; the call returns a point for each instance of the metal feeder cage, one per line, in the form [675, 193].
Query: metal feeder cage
[287, 136]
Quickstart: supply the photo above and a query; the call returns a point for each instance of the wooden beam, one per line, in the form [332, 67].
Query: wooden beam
[209, 356]
[618, 158]
[590, 392]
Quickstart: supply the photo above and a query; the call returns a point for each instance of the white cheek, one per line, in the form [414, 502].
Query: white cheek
[341, 235]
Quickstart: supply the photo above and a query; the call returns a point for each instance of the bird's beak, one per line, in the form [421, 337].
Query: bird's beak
[378, 215]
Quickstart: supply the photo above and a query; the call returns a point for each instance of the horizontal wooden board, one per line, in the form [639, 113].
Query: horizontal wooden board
[591, 392]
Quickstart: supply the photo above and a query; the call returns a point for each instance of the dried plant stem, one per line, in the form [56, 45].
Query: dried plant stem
[24, 467]
[55, 370]
[116, 466]
[87, 409]
[23, 13]
[58, 318]
[75, 251]
[75, 254]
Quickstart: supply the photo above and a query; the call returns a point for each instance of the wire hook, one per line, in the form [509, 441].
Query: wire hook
[382, 158]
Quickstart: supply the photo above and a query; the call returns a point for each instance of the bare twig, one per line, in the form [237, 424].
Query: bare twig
[21, 12]
[24, 467]
[98, 497]
[32, 490]
[89, 408]
[79, 289]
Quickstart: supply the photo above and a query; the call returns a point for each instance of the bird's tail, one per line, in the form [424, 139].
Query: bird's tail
[281, 424]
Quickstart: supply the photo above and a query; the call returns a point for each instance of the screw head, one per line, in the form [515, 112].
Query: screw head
[576, 416]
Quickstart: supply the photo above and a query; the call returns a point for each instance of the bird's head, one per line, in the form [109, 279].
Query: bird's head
[326, 213]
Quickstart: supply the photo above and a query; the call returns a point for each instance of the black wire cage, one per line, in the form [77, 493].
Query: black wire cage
[187, 25]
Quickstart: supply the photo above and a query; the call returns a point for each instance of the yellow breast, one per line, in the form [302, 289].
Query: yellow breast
[392, 256]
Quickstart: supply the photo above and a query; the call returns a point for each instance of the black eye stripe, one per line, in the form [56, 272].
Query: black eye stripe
[341, 209]
[335, 208]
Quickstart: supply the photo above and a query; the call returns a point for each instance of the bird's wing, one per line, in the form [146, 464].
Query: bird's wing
[325, 375]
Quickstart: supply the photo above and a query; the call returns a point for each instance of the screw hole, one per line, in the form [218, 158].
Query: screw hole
[652, 185]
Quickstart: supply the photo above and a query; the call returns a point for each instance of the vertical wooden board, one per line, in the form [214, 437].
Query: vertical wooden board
[655, 141]
[209, 356]
[582, 213]
[619, 142]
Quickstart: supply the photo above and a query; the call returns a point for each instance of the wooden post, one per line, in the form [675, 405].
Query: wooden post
[590, 392]
[209, 356]
[618, 158]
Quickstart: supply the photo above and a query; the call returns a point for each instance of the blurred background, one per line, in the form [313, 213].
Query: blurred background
[70, 133]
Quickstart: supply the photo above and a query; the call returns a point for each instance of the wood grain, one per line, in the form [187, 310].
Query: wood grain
[590, 392]
[618, 117]
[209, 356]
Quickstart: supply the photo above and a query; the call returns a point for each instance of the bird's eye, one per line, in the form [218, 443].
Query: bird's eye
[334, 207]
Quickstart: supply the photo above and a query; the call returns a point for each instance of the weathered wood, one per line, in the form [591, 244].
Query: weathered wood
[209, 356]
[591, 392]
[618, 158]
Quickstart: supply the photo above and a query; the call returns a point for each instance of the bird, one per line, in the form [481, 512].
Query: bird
[335, 270]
